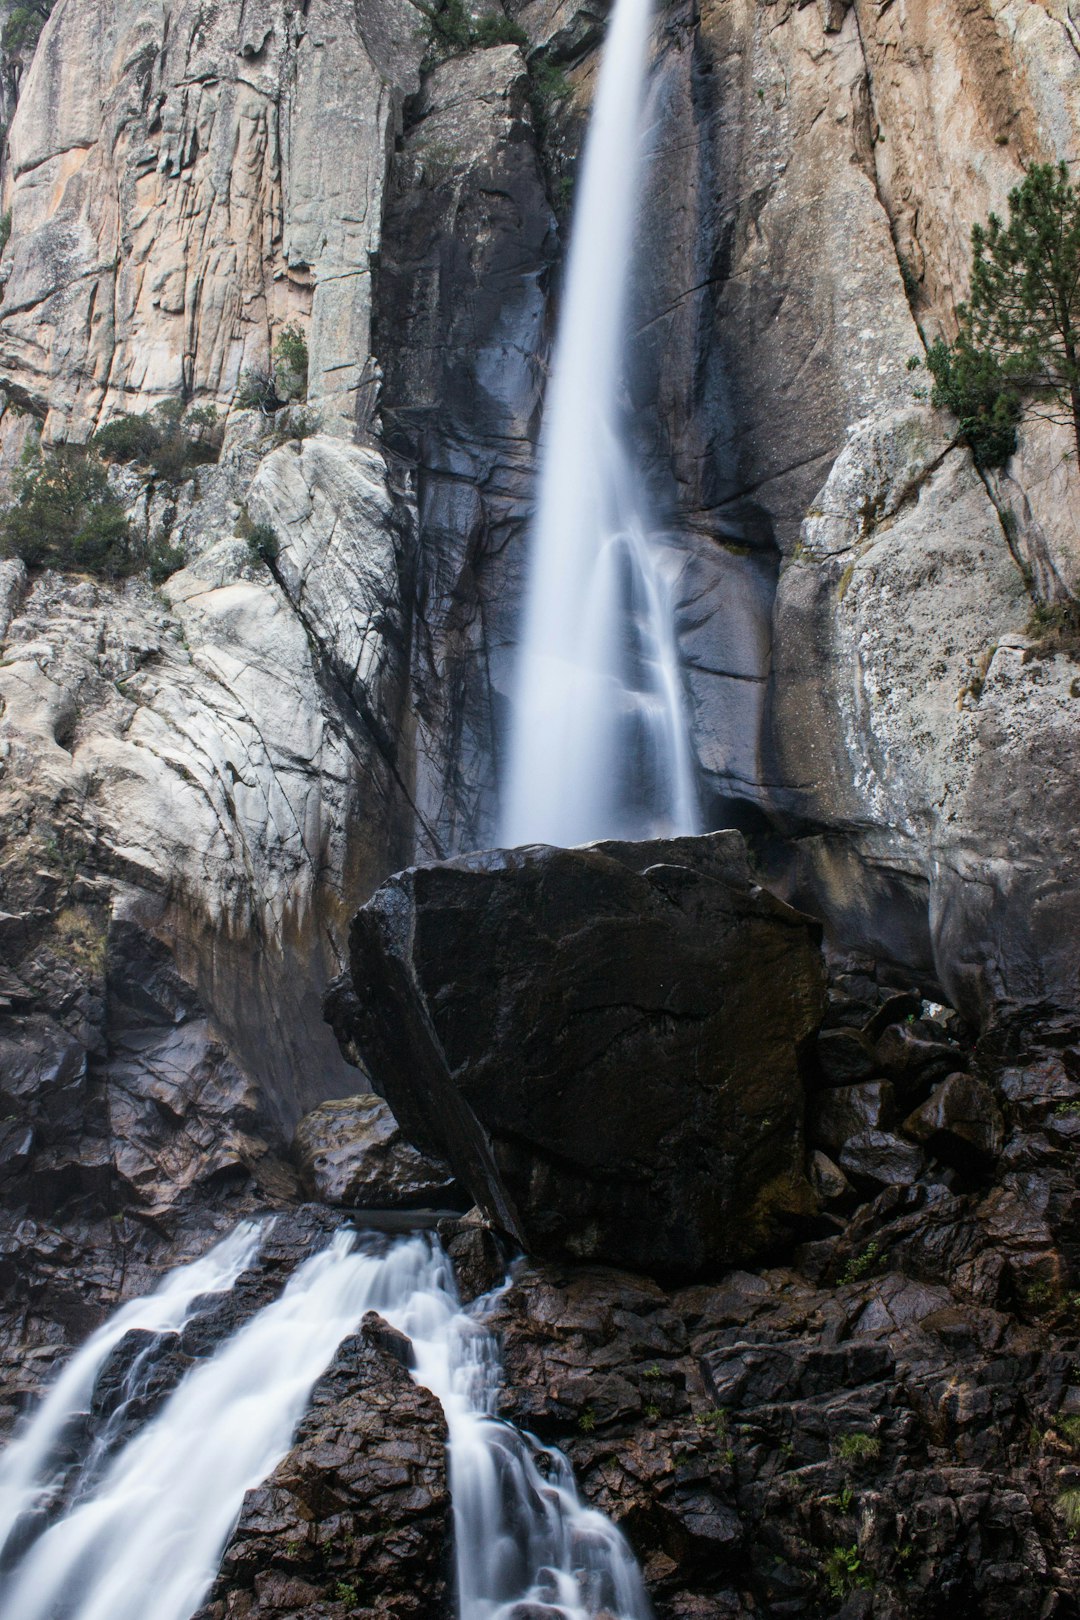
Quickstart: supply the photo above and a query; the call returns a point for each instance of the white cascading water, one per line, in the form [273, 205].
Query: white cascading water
[146, 1539]
[522, 1534]
[598, 744]
[29, 1465]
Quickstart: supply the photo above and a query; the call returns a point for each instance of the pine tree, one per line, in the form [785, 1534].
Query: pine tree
[1020, 328]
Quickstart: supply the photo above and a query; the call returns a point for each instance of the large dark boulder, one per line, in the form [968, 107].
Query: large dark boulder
[605, 1043]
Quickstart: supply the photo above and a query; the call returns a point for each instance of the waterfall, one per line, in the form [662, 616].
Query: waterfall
[145, 1538]
[521, 1532]
[598, 742]
[31, 1468]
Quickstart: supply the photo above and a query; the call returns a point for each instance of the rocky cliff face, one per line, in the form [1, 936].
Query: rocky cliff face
[183, 181]
[200, 782]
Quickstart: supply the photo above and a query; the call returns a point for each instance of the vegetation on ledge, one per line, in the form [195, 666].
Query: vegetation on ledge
[1019, 332]
[66, 515]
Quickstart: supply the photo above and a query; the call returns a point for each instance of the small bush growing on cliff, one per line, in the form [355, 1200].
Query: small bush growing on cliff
[164, 441]
[1068, 1507]
[23, 27]
[262, 542]
[162, 557]
[291, 364]
[858, 1448]
[1019, 332]
[548, 85]
[258, 391]
[65, 516]
[975, 386]
[844, 1573]
[127, 438]
[450, 30]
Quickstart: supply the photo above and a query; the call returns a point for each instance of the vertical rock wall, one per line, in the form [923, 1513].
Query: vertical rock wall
[183, 180]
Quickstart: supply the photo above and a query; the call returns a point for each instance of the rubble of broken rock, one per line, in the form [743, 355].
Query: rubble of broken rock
[886, 1421]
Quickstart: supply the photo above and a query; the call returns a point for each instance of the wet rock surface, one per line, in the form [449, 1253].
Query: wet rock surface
[882, 1423]
[355, 1521]
[605, 1043]
[883, 1426]
[351, 1152]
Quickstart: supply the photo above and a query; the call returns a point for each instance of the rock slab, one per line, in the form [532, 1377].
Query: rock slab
[605, 1043]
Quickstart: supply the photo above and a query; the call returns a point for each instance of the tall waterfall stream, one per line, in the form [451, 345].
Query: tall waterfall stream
[598, 744]
[141, 1537]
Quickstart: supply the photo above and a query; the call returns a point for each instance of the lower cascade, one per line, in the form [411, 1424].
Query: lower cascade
[142, 1533]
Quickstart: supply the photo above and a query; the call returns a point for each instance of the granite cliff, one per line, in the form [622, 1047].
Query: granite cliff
[201, 780]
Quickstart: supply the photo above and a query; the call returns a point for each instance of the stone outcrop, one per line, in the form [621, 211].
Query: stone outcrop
[886, 1425]
[605, 1043]
[355, 1521]
[192, 783]
[925, 728]
[350, 1152]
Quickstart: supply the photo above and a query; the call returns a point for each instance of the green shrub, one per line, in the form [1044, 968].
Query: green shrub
[1068, 1507]
[163, 441]
[297, 425]
[498, 30]
[162, 557]
[258, 391]
[5, 230]
[974, 385]
[127, 438]
[1068, 1426]
[262, 543]
[66, 516]
[844, 1573]
[451, 30]
[858, 1448]
[23, 27]
[548, 85]
[862, 1264]
[291, 364]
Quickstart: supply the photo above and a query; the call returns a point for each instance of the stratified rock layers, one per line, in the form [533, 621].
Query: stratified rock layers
[604, 1042]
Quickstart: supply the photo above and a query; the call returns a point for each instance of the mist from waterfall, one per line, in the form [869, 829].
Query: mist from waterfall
[598, 743]
[141, 1538]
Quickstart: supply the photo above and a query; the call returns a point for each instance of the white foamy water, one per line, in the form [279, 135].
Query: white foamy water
[522, 1533]
[27, 1465]
[146, 1541]
[598, 743]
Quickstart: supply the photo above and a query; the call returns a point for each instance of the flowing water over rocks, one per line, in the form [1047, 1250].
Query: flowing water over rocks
[143, 1534]
[29, 1470]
